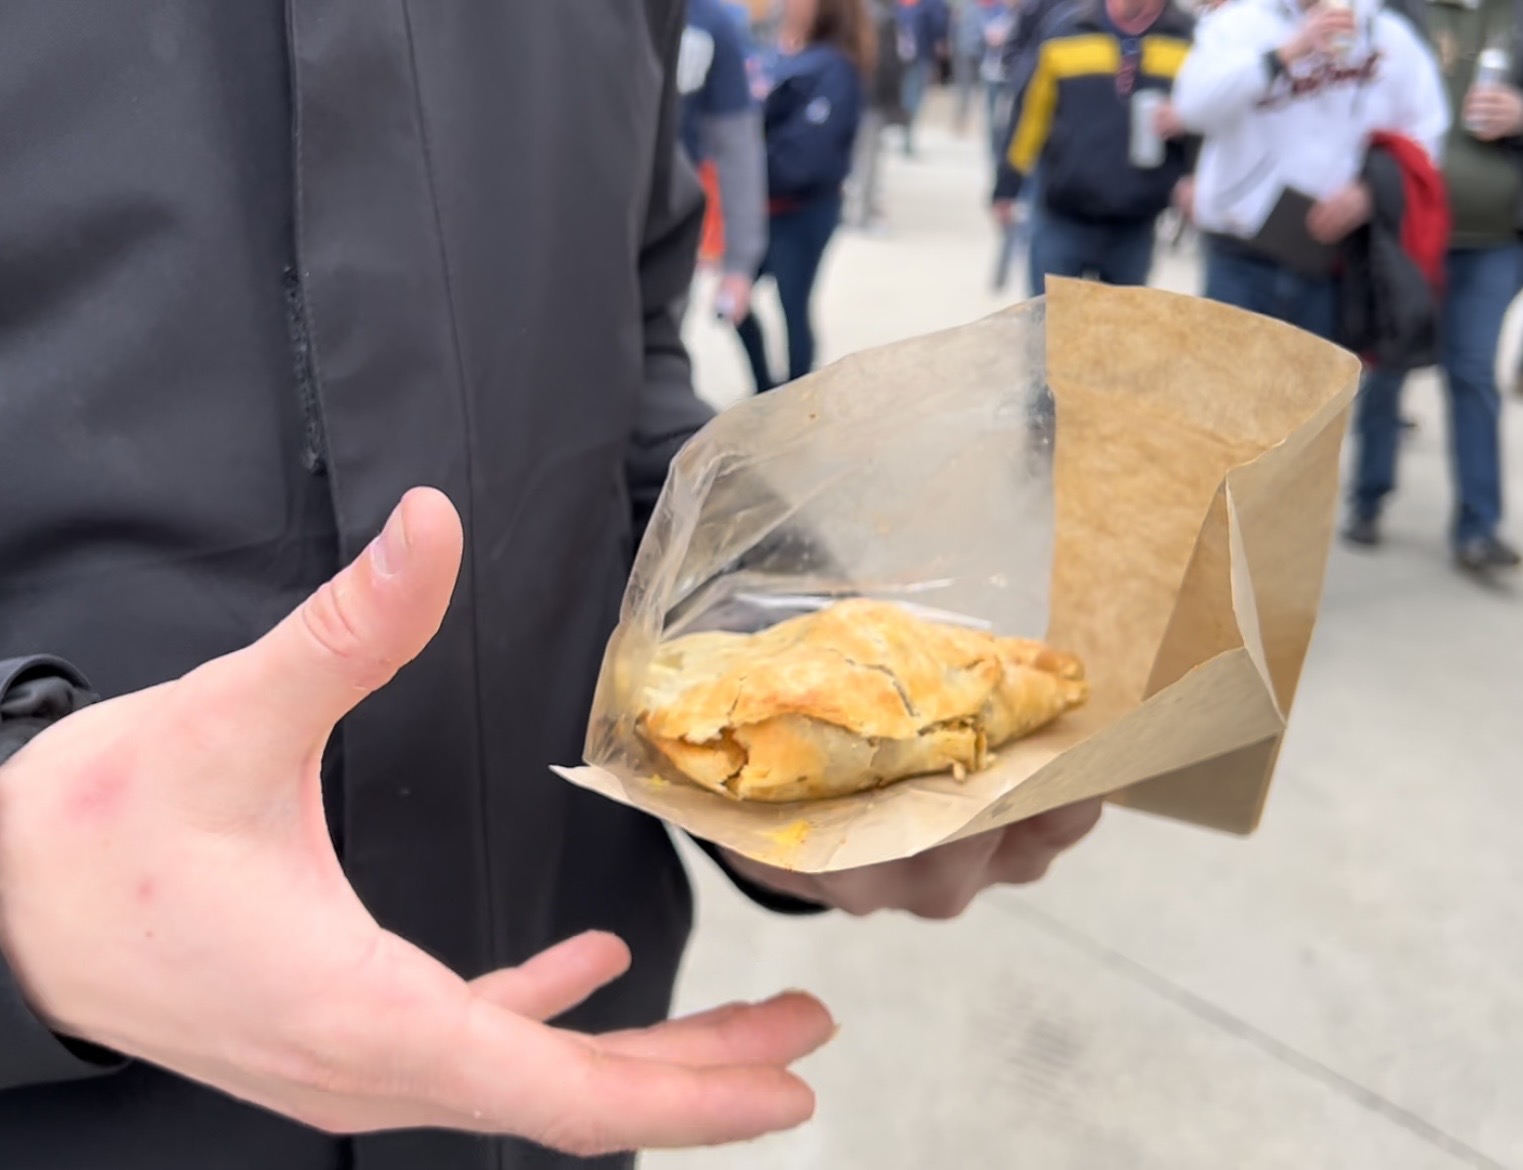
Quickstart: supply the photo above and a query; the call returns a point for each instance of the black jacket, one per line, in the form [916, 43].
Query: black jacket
[1032, 19]
[1387, 310]
[264, 265]
[1069, 120]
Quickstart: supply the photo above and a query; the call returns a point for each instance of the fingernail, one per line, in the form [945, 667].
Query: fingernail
[796, 992]
[388, 551]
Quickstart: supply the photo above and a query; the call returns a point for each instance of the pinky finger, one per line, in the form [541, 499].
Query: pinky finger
[573, 1094]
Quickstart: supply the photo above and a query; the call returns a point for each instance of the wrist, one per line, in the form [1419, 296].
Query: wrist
[35, 693]
[15, 734]
[12, 968]
[779, 890]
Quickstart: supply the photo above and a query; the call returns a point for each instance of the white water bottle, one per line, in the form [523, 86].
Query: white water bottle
[1146, 148]
[1491, 70]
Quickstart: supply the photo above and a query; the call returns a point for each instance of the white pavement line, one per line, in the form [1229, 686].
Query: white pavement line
[1310, 1067]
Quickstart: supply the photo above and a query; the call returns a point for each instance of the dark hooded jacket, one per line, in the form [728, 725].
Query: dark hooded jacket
[265, 265]
[1393, 267]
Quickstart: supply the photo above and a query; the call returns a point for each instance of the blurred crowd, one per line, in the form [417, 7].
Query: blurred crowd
[1350, 167]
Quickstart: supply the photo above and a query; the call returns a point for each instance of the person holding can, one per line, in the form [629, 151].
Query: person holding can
[1478, 52]
[1092, 110]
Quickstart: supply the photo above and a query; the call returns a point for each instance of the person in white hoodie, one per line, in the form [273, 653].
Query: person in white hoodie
[1286, 96]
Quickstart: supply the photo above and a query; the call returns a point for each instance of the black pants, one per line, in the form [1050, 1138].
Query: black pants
[796, 244]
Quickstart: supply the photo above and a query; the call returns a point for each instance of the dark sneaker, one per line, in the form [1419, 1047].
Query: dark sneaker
[1484, 553]
[1363, 531]
[1502, 555]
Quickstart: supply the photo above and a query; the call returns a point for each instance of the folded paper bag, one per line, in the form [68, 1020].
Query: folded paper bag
[1175, 535]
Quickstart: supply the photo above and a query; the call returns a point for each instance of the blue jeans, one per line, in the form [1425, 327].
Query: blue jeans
[1480, 284]
[965, 78]
[1264, 287]
[998, 101]
[795, 246]
[917, 79]
[1112, 253]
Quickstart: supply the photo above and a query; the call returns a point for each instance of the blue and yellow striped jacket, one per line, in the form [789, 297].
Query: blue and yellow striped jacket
[1071, 118]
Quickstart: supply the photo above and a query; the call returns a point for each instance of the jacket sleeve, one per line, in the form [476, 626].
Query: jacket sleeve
[35, 692]
[730, 134]
[1227, 71]
[1388, 201]
[1513, 145]
[767, 899]
[1028, 18]
[1032, 20]
[809, 148]
[1036, 104]
[669, 411]
[734, 143]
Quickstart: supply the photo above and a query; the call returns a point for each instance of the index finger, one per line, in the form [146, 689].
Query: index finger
[1030, 847]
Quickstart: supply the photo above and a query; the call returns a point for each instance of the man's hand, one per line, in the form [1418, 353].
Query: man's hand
[732, 299]
[1493, 112]
[170, 892]
[1004, 212]
[942, 882]
[1167, 122]
[1336, 216]
[1325, 30]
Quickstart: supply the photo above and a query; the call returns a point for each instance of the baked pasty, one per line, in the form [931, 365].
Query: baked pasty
[852, 697]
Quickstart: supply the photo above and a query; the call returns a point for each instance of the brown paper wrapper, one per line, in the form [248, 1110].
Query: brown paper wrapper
[1176, 536]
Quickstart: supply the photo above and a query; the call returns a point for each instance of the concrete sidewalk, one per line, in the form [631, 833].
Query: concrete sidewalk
[1343, 990]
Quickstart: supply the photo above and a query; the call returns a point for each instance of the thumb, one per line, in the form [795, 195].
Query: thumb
[350, 637]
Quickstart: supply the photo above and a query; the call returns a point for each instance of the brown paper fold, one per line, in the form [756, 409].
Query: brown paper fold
[1194, 488]
[1269, 457]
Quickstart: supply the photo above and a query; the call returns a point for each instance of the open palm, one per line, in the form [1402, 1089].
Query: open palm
[171, 893]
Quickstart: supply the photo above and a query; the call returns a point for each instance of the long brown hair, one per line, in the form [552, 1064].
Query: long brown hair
[848, 25]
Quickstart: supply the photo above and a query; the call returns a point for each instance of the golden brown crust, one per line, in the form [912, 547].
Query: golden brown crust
[1030, 652]
[860, 694]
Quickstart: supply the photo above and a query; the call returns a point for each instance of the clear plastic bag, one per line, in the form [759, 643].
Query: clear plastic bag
[927, 473]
